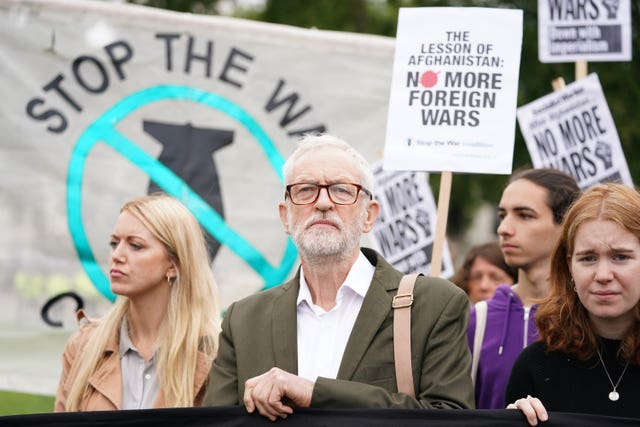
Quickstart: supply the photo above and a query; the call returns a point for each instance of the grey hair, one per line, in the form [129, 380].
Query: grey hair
[312, 142]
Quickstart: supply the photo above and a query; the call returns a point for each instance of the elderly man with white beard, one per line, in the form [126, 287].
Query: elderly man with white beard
[324, 339]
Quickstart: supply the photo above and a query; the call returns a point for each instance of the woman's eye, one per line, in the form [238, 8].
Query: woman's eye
[620, 257]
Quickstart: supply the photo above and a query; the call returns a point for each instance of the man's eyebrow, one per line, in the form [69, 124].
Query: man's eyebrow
[518, 208]
[524, 209]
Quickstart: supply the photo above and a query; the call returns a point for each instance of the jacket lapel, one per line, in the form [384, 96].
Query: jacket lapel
[285, 337]
[203, 365]
[375, 309]
[107, 379]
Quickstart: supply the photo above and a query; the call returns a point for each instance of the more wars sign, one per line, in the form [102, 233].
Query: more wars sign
[454, 87]
[579, 30]
[572, 130]
[405, 229]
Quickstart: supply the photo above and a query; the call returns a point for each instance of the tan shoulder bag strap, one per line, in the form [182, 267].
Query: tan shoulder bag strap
[402, 334]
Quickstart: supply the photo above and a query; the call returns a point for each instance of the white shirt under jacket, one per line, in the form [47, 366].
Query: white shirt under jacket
[323, 335]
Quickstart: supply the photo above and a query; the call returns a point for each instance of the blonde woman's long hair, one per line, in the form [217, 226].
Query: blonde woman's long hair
[192, 319]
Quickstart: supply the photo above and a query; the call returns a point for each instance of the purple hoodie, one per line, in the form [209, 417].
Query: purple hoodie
[508, 330]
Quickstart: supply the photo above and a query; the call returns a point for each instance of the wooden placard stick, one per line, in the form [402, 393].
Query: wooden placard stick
[558, 83]
[581, 69]
[444, 195]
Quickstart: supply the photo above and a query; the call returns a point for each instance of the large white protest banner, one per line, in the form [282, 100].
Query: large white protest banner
[594, 30]
[104, 102]
[454, 90]
[572, 130]
[405, 230]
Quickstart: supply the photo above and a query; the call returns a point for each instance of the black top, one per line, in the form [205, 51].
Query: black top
[566, 384]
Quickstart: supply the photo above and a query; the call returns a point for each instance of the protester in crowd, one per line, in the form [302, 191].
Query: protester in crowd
[530, 211]
[483, 269]
[587, 359]
[325, 338]
[155, 347]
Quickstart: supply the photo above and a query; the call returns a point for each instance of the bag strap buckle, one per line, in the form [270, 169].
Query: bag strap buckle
[402, 301]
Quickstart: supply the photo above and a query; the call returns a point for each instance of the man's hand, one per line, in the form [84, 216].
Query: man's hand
[269, 392]
[532, 408]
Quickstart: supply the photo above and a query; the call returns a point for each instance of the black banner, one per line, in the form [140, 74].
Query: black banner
[238, 417]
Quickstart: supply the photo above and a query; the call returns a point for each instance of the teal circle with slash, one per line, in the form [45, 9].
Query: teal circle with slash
[103, 130]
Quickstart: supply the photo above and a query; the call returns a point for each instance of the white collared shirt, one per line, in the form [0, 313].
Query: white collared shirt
[323, 335]
[140, 382]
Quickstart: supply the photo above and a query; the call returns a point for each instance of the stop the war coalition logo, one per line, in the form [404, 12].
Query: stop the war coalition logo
[454, 88]
[186, 166]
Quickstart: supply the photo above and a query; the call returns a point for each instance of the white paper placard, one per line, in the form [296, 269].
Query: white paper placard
[454, 89]
[571, 30]
[404, 232]
[572, 130]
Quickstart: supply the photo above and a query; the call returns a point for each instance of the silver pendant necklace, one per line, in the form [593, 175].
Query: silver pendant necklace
[613, 395]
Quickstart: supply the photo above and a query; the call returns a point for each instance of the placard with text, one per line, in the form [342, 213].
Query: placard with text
[404, 232]
[573, 30]
[572, 130]
[453, 90]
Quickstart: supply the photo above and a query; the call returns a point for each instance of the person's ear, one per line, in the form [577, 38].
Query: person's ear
[172, 271]
[371, 214]
[284, 216]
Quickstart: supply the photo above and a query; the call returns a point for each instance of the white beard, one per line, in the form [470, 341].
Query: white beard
[322, 244]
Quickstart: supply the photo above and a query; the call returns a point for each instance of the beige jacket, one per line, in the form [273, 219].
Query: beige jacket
[106, 382]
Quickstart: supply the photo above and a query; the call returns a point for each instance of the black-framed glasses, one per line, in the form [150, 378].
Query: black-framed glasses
[340, 193]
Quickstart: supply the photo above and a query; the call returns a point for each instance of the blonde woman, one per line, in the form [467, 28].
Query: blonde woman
[155, 347]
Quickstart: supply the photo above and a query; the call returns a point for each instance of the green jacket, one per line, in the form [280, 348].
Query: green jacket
[259, 332]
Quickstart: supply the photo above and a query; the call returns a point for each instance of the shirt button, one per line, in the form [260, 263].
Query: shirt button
[147, 376]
